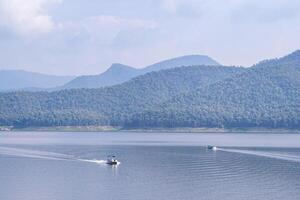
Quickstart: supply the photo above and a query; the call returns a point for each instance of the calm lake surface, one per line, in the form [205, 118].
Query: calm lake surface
[167, 166]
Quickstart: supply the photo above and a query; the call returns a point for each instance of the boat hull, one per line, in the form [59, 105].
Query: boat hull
[112, 163]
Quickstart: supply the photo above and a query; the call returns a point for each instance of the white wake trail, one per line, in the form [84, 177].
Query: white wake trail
[99, 162]
[25, 153]
[293, 158]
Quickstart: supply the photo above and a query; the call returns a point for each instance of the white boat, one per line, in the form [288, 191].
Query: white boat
[210, 147]
[111, 160]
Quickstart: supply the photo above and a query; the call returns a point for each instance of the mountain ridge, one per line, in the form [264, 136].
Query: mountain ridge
[119, 73]
[193, 96]
[116, 74]
[22, 79]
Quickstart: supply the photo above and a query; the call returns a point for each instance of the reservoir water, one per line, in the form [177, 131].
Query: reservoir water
[166, 166]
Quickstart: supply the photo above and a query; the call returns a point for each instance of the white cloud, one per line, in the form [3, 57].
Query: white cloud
[266, 11]
[102, 21]
[26, 16]
[96, 33]
[236, 10]
[103, 29]
[170, 5]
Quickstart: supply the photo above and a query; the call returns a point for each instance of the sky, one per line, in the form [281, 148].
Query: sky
[76, 37]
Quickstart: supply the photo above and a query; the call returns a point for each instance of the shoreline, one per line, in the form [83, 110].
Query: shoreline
[150, 130]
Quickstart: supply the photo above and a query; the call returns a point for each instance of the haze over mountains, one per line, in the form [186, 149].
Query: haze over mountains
[116, 74]
[119, 73]
[20, 79]
[265, 95]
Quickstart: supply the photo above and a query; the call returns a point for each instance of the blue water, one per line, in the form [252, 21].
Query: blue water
[71, 166]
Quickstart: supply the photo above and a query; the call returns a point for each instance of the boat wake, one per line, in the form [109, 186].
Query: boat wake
[99, 162]
[36, 154]
[280, 156]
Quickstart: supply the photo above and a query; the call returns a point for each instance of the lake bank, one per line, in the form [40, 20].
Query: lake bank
[167, 130]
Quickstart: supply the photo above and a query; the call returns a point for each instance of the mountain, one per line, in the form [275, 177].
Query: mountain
[111, 105]
[116, 74]
[188, 60]
[291, 59]
[19, 79]
[119, 73]
[265, 95]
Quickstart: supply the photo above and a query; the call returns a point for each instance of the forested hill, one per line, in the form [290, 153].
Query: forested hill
[292, 59]
[260, 97]
[265, 95]
[112, 105]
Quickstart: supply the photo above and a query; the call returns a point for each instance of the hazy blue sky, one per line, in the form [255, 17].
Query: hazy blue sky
[86, 36]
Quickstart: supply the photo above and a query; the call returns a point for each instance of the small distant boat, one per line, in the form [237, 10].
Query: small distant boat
[210, 147]
[111, 160]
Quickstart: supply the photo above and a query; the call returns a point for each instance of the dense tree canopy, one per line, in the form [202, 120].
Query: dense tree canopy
[265, 95]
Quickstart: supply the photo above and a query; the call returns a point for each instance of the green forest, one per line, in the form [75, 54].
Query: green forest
[264, 95]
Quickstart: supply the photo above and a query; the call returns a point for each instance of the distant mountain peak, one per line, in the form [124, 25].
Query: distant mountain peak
[187, 60]
[25, 80]
[119, 73]
[119, 66]
[192, 56]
